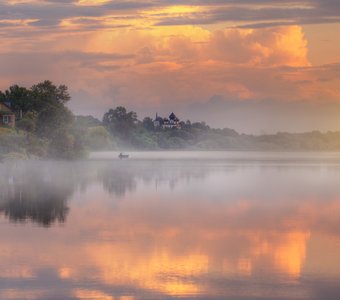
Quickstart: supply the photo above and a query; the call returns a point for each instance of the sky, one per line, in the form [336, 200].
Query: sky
[257, 66]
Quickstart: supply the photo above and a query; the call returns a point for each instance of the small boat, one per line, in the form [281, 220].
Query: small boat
[121, 155]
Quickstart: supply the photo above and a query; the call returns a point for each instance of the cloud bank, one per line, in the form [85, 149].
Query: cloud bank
[157, 56]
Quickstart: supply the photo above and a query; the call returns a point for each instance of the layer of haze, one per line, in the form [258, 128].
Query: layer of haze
[255, 66]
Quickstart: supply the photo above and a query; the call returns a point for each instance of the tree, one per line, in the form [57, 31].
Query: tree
[52, 119]
[47, 92]
[98, 138]
[20, 99]
[148, 124]
[45, 119]
[28, 122]
[64, 145]
[85, 122]
[48, 101]
[120, 122]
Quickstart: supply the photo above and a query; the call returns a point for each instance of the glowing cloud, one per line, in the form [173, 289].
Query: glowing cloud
[175, 55]
[93, 2]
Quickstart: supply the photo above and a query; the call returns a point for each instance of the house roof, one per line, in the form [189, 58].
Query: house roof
[3, 104]
[172, 116]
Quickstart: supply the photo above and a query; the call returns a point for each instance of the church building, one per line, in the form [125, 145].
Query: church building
[167, 123]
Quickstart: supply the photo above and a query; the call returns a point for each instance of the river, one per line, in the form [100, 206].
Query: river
[172, 225]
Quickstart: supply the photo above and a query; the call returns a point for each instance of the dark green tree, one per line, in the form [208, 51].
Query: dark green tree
[20, 99]
[28, 122]
[148, 124]
[120, 122]
[46, 92]
[52, 119]
[53, 116]
[43, 115]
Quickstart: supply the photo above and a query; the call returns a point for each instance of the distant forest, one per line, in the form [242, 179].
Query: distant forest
[46, 128]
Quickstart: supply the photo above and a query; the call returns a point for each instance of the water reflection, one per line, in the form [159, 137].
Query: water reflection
[164, 230]
[117, 181]
[27, 192]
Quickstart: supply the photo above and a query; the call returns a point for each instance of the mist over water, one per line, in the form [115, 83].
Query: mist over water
[166, 225]
[226, 156]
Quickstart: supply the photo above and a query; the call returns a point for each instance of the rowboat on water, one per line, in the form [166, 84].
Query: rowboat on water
[121, 155]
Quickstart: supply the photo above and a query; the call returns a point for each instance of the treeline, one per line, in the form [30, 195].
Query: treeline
[46, 128]
[128, 132]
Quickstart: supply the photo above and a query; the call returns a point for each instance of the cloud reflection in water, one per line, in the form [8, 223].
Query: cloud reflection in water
[166, 229]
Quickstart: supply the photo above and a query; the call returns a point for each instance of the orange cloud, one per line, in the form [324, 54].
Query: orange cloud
[201, 64]
[169, 67]
[280, 46]
[270, 47]
[92, 2]
[192, 63]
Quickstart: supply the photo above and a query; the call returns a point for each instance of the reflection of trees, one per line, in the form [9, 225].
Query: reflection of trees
[43, 205]
[123, 176]
[117, 181]
[34, 192]
[39, 191]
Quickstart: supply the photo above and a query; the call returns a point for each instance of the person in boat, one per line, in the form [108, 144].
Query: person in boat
[121, 155]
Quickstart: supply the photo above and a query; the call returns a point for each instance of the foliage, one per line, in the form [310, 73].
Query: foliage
[120, 122]
[143, 141]
[28, 122]
[11, 141]
[46, 93]
[35, 146]
[199, 136]
[148, 124]
[46, 121]
[85, 122]
[47, 128]
[20, 98]
[65, 145]
[98, 138]
[52, 119]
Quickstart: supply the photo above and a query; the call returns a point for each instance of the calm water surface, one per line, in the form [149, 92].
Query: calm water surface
[172, 226]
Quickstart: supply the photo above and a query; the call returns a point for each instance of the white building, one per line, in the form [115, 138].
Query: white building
[167, 123]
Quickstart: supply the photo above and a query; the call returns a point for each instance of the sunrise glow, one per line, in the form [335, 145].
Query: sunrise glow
[155, 46]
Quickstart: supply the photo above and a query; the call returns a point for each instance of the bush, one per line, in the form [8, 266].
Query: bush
[98, 138]
[65, 146]
[11, 141]
[144, 141]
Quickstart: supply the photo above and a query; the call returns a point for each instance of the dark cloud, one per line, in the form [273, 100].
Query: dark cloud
[315, 13]
[54, 12]
[254, 11]
[45, 22]
[288, 23]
